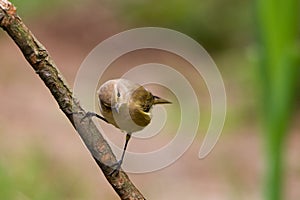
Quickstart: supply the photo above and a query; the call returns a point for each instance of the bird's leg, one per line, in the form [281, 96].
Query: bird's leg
[128, 136]
[92, 114]
[118, 164]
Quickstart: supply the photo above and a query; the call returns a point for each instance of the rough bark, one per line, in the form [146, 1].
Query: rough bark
[40, 60]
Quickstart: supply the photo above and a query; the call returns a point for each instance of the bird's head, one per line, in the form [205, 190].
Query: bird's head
[140, 104]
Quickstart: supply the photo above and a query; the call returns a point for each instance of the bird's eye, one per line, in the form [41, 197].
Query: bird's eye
[146, 108]
[118, 94]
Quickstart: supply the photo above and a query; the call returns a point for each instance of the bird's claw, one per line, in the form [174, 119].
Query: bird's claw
[92, 114]
[116, 168]
[87, 115]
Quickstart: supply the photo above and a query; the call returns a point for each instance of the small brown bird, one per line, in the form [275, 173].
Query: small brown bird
[127, 106]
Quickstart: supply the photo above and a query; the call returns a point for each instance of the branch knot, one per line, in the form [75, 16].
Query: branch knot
[7, 10]
[8, 7]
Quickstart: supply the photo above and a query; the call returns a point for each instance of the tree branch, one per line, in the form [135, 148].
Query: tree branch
[38, 57]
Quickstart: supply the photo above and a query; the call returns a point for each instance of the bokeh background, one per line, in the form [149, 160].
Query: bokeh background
[255, 44]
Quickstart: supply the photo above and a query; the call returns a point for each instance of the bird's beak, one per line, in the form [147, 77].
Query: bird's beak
[158, 100]
[117, 107]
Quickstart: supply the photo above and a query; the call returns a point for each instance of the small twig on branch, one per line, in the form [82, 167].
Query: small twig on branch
[38, 57]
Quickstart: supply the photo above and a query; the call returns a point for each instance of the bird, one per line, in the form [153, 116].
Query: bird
[127, 106]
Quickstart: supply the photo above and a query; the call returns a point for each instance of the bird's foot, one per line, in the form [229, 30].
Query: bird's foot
[115, 168]
[87, 115]
[92, 114]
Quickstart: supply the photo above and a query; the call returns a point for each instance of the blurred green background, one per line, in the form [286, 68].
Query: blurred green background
[255, 44]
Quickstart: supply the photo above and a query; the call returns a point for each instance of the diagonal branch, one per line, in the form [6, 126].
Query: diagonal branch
[38, 57]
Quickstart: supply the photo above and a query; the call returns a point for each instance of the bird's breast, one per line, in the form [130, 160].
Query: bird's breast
[125, 118]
